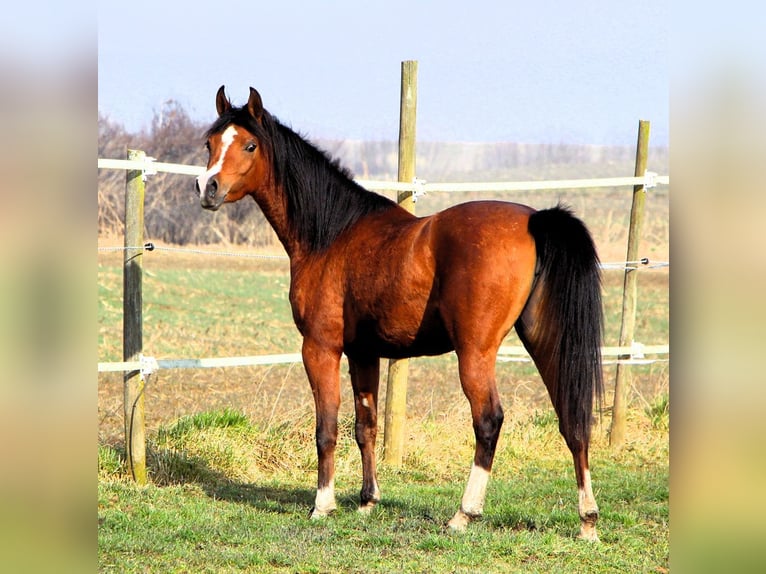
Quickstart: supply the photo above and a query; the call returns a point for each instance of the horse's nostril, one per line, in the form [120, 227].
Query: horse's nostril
[212, 188]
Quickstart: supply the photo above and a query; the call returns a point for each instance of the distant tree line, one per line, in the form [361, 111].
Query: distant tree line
[172, 213]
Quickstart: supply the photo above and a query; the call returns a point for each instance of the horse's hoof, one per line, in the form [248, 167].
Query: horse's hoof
[588, 527]
[460, 521]
[317, 514]
[588, 533]
[366, 509]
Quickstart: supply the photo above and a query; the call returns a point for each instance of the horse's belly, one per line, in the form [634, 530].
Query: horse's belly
[371, 339]
[379, 348]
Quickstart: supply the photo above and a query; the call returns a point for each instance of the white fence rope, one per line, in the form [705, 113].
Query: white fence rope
[649, 180]
[634, 355]
[625, 355]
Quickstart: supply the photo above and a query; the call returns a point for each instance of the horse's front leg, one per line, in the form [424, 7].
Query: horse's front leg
[323, 369]
[365, 378]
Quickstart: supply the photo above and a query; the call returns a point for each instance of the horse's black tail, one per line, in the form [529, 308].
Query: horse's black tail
[561, 325]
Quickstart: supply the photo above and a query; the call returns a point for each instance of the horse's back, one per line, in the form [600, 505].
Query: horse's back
[479, 219]
[465, 272]
[482, 236]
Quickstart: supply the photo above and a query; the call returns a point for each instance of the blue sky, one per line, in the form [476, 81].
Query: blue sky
[545, 71]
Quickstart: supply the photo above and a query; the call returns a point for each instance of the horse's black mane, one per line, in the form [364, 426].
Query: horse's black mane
[322, 198]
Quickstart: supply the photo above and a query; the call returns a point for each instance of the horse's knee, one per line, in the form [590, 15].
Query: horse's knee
[326, 438]
[366, 433]
[488, 425]
[573, 437]
[487, 430]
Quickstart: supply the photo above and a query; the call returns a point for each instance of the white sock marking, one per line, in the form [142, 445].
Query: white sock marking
[325, 499]
[475, 491]
[587, 502]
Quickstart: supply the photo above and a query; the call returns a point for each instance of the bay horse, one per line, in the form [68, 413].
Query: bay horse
[371, 280]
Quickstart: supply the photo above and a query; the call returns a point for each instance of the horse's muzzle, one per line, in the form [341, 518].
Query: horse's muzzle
[212, 197]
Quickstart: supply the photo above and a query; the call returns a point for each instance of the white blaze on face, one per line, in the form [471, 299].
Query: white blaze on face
[227, 137]
[475, 491]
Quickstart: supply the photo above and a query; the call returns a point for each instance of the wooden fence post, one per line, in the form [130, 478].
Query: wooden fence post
[396, 387]
[630, 291]
[132, 320]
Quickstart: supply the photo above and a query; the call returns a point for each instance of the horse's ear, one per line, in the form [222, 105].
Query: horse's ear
[222, 103]
[255, 105]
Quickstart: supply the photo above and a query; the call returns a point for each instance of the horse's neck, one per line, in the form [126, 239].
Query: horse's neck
[273, 204]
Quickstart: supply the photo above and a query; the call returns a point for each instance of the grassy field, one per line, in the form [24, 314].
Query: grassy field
[232, 459]
[231, 495]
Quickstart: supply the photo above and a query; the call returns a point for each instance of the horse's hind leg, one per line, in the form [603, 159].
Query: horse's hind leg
[365, 378]
[586, 503]
[578, 445]
[587, 507]
[477, 376]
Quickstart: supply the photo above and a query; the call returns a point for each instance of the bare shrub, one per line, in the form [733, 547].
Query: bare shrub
[171, 210]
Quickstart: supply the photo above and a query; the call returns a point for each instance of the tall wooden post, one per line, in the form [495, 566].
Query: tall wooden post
[396, 389]
[630, 291]
[132, 320]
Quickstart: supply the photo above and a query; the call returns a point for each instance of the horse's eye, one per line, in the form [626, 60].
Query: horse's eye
[207, 146]
[250, 148]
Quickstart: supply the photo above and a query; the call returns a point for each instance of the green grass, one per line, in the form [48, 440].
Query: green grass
[211, 517]
[181, 529]
[217, 420]
[201, 312]
[659, 412]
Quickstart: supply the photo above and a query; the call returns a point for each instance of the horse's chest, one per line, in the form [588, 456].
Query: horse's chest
[317, 306]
